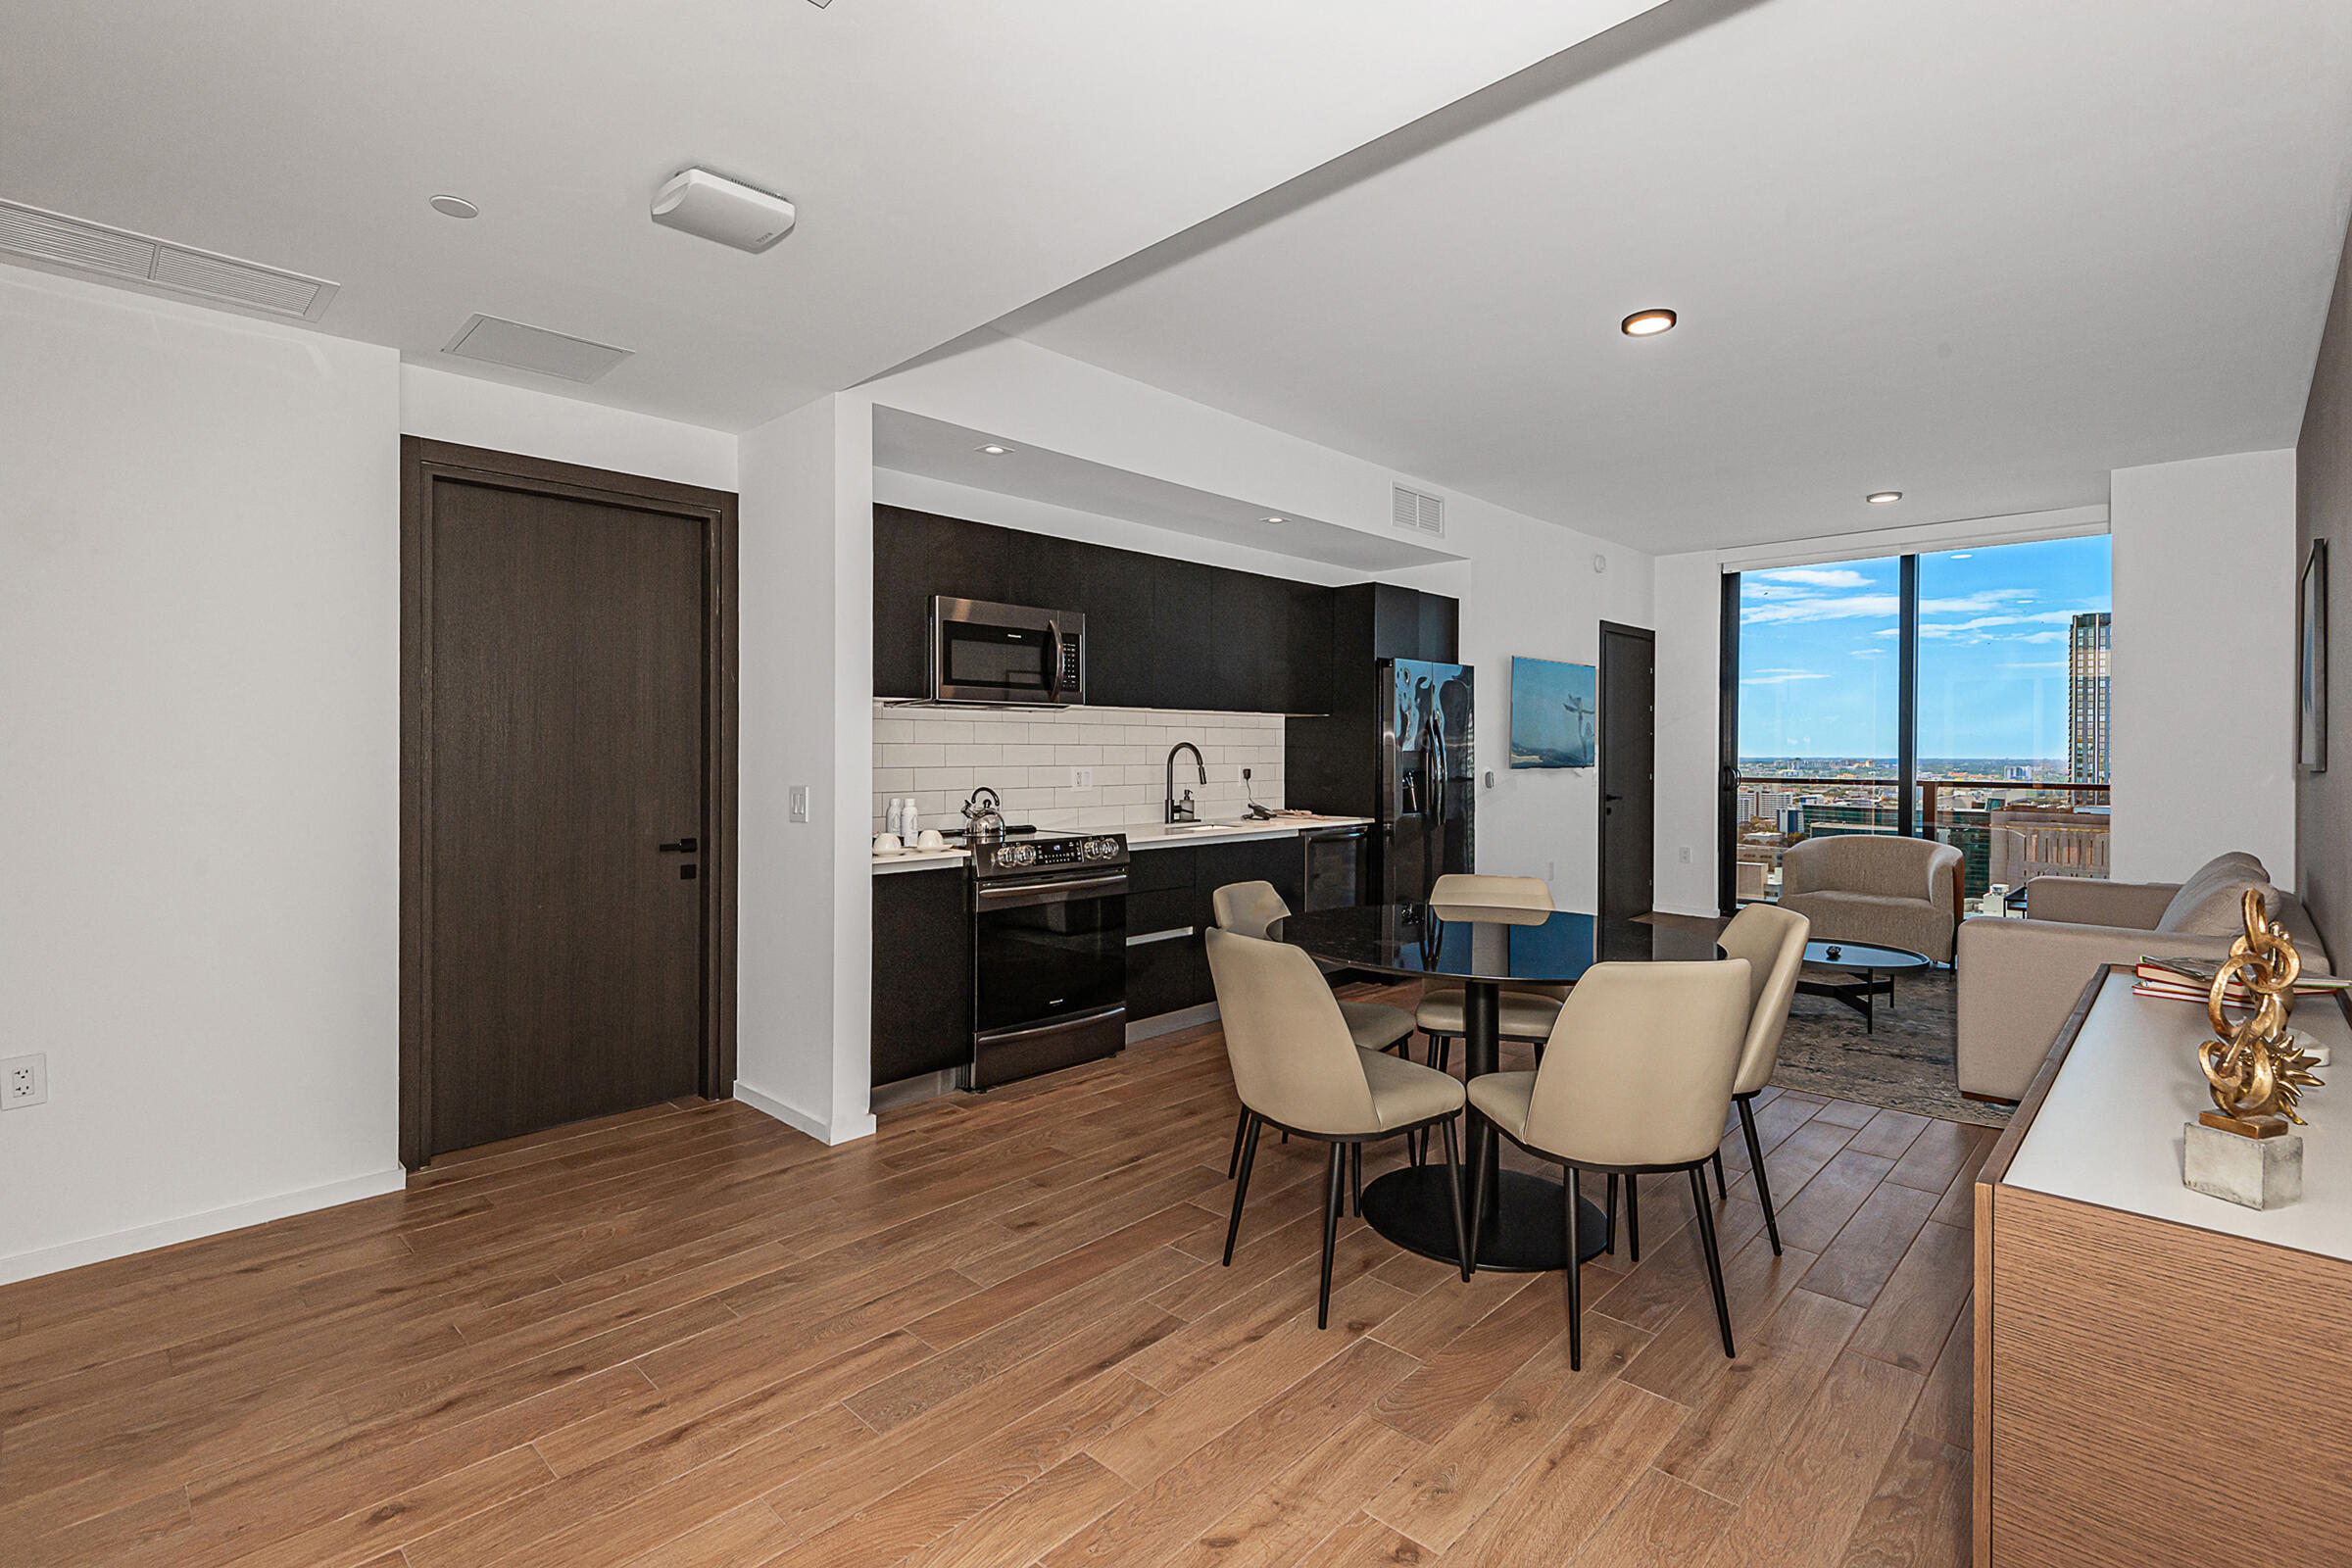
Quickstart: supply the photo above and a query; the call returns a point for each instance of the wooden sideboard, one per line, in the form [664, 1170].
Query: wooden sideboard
[2162, 1378]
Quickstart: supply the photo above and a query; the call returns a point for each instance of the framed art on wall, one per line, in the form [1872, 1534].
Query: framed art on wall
[2311, 655]
[1552, 714]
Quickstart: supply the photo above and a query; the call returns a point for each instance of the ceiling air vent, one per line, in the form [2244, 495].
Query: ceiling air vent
[495, 341]
[121, 256]
[1423, 513]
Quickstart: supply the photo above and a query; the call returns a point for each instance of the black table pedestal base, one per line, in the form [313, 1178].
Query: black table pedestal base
[1524, 1229]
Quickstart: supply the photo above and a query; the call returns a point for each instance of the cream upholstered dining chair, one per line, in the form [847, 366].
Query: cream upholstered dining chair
[1297, 1068]
[1249, 909]
[1636, 1081]
[1525, 1012]
[1771, 940]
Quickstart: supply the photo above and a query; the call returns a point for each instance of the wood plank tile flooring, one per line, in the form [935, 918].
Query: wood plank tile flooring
[997, 1334]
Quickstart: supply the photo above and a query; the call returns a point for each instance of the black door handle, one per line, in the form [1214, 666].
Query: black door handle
[682, 847]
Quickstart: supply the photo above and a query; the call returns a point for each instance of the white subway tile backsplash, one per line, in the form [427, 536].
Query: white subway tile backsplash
[939, 755]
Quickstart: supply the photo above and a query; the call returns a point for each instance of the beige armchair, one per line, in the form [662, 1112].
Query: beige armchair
[1869, 887]
[2019, 979]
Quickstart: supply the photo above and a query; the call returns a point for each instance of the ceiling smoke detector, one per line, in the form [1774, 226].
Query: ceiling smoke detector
[697, 202]
[453, 207]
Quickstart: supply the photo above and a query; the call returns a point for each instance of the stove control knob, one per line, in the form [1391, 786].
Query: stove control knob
[1104, 849]
[1019, 854]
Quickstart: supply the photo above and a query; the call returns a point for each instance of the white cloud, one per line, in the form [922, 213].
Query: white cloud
[1787, 611]
[1818, 576]
[1781, 677]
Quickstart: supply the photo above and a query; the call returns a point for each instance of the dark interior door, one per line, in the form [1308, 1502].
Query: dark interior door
[567, 659]
[1628, 681]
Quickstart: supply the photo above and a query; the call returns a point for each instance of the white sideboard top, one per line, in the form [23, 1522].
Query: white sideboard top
[2109, 1131]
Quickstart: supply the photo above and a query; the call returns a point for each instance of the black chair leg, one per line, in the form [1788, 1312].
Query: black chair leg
[1454, 1192]
[1241, 1130]
[1335, 1189]
[1707, 1238]
[1355, 1180]
[1755, 1161]
[1610, 1246]
[1721, 1191]
[1576, 1288]
[1633, 1216]
[1478, 1196]
[1241, 1185]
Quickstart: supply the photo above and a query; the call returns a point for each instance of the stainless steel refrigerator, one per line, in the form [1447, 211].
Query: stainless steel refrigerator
[1428, 775]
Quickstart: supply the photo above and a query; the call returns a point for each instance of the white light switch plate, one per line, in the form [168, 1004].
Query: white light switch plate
[796, 800]
[24, 1081]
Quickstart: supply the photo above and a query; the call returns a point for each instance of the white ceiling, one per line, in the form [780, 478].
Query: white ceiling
[1982, 253]
[949, 160]
[932, 449]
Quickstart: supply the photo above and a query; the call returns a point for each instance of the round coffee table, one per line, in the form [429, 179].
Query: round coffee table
[1871, 969]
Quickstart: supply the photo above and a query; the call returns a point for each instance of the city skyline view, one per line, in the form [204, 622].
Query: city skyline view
[1819, 674]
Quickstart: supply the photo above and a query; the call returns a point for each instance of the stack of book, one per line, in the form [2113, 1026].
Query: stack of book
[2191, 980]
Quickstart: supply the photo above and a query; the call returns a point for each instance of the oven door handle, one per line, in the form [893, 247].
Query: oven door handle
[1021, 894]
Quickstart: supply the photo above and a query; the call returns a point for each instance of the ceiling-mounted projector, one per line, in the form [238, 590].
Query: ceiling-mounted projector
[728, 211]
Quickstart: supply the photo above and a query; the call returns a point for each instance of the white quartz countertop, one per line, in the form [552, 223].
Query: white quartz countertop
[1146, 836]
[2109, 1132]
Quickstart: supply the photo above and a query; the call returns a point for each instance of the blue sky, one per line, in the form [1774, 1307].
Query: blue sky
[1818, 651]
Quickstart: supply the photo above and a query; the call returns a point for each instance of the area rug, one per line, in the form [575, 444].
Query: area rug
[1907, 1062]
[1910, 1061]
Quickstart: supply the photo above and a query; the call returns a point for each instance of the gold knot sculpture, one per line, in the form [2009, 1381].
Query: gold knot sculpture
[2256, 1075]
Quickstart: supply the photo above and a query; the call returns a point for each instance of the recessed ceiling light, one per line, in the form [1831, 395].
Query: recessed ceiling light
[1645, 323]
[1961, 555]
[1880, 498]
[453, 207]
[992, 450]
[1278, 519]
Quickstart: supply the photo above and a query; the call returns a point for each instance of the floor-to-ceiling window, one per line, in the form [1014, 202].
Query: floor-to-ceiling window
[2013, 709]
[1998, 743]
[1819, 709]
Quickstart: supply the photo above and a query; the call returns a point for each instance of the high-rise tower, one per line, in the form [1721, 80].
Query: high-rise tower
[2086, 697]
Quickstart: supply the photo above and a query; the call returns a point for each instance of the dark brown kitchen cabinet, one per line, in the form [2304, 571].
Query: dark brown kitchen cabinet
[922, 990]
[1167, 968]
[917, 555]
[1183, 637]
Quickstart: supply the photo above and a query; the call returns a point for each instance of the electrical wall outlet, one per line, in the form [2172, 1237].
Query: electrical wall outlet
[24, 1081]
[1081, 778]
[1686, 855]
[796, 803]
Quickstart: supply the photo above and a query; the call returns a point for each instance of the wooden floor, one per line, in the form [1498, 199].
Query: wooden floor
[995, 1335]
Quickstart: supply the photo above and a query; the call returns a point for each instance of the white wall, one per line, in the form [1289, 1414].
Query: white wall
[1688, 593]
[199, 596]
[805, 904]
[1529, 588]
[445, 406]
[2203, 750]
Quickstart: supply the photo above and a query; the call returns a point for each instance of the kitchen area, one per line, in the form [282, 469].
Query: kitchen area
[1076, 744]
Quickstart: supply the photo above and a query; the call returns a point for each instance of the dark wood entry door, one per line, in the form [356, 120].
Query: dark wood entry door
[568, 818]
[1629, 683]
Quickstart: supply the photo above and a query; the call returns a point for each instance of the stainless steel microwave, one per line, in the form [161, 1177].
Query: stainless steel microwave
[988, 653]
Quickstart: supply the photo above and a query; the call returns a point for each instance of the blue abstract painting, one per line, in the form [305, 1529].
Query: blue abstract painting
[1554, 714]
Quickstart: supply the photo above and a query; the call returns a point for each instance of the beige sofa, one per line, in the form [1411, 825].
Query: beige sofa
[1863, 887]
[2019, 979]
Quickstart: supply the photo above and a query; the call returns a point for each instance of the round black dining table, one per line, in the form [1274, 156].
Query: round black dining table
[1524, 1224]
